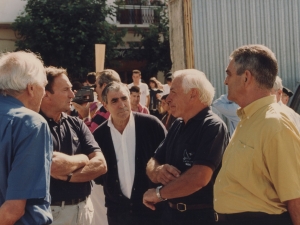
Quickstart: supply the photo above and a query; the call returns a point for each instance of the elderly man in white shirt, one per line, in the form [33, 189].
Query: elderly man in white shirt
[277, 90]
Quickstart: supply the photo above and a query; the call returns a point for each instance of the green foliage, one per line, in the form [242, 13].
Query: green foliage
[65, 32]
[154, 46]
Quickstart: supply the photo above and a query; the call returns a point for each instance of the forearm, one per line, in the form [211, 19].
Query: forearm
[151, 170]
[189, 182]
[11, 211]
[63, 164]
[93, 169]
[294, 210]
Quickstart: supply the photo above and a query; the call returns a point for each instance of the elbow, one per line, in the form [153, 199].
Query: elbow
[102, 168]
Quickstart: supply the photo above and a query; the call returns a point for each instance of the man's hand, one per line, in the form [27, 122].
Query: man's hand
[166, 173]
[83, 110]
[150, 198]
[163, 174]
[63, 164]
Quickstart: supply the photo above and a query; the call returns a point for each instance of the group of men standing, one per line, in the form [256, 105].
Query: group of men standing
[191, 175]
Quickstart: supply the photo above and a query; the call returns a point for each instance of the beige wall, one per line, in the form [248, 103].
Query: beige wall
[7, 40]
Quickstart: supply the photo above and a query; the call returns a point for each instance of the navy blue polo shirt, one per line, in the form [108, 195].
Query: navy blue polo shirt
[70, 136]
[201, 141]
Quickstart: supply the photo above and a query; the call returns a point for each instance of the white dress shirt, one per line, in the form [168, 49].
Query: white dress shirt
[124, 145]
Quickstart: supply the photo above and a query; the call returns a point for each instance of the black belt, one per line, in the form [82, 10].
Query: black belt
[68, 202]
[184, 207]
[250, 216]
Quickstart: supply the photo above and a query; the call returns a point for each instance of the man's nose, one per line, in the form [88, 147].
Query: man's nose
[72, 95]
[225, 81]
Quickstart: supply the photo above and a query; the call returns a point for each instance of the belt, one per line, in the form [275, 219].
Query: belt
[249, 216]
[68, 202]
[184, 207]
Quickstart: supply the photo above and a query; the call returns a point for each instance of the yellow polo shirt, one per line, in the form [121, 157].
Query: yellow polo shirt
[261, 164]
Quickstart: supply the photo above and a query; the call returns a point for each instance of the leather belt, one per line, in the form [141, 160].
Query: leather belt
[250, 216]
[68, 202]
[181, 207]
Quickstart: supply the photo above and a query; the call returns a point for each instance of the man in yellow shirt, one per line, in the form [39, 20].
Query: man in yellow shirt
[259, 182]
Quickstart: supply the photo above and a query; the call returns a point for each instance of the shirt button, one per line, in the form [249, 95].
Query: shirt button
[244, 146]
[240, 125]
[248, 117]
[117, 181]
[215, 199]
[219, 180]
[120, 195]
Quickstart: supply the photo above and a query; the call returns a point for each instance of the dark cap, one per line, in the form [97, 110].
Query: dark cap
[287, 91]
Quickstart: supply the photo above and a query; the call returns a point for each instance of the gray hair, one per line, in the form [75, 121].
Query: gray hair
[259, 60]
[278, 84]
[192, 78]
[113, 86]
[18, 69]
[107, 76]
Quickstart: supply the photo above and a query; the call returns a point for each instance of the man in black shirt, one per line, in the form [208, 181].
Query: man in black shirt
[187, 161]
[77, 158]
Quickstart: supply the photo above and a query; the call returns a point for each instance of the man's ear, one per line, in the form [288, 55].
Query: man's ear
[248, 77]
[105, 106]
[30, 89]
[194, 93]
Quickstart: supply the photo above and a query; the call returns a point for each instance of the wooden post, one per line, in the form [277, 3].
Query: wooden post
[99, 57]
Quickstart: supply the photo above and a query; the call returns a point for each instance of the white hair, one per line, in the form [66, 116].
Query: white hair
[192, 78]
[278, 84]
[18, 69]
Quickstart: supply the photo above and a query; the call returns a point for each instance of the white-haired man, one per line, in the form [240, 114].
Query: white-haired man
[278, 91]
[188, 160]
[25, 141]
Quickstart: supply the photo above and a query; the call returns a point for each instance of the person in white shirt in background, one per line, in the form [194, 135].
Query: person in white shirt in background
[277, 90]
[145, 95]
[228, 109]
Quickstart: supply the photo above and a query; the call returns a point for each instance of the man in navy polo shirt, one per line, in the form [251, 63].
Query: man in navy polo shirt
[187, 161]
[25, 142]
[77, 158]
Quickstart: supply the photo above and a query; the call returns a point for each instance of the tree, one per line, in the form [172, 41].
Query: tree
[64, 32]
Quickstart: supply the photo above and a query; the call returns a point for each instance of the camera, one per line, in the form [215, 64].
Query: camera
[85, 94]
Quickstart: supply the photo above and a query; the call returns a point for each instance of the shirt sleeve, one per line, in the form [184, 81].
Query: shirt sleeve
[87, 140]
[282, 157]
[29, 177]
[213, 141]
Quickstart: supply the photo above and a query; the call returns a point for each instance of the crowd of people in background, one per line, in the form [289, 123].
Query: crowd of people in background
[104, 152]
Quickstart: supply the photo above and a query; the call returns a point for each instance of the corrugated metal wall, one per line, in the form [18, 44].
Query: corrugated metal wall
[220, 26]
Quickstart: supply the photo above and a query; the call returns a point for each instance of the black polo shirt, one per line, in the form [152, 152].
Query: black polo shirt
[70, 136]
[201, 141]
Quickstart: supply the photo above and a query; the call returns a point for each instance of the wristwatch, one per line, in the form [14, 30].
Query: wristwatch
[157, 190]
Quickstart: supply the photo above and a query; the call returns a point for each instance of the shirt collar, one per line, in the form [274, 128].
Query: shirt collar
[62, 117]
[253, 107]
[130, 122]
[11, 99]
[202, 114]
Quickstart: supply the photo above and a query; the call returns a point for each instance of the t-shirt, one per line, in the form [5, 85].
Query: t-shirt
[144, 92]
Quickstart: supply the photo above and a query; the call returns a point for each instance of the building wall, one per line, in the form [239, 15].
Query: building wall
[9, 10]
[220, 26]
[7, 40]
